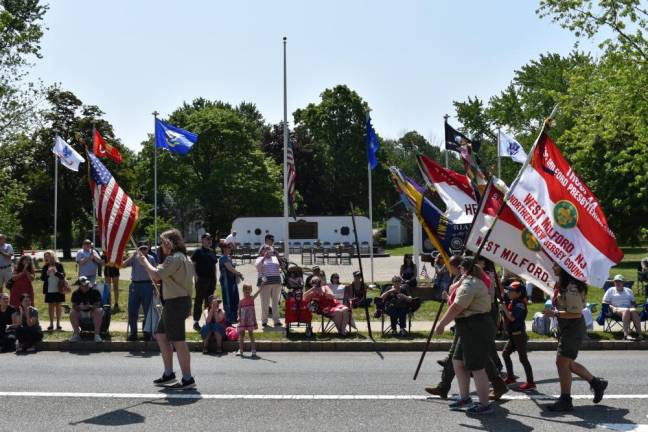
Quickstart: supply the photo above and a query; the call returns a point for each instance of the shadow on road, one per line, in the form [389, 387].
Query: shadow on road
[118, 417]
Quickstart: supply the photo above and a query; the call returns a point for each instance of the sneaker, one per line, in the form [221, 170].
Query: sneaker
[561, 405]
[403, 332]
[461, 404]
[265, 324]
[196, 326]
[97, 338]
[31, 349]
[628, 338]
[497, 393]
[116, 309]
[442, 362]
[50, 328]
[437, 391]
[479, 409]
[254, 355]
[640, 337]
[58, 327]
[132, 338]
[76, 337]
[598, 386]
[184, 384]
[527, 386]
[278, 324]
[165, 379]
[509, 380]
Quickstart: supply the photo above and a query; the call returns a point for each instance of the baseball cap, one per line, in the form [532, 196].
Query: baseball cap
[356, 273]
[515, 286]
[619, 277]
[83, 281]
[206, 235]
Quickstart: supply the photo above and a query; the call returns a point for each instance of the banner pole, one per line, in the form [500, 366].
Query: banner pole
[499, 156]
[371, 248]
[155, 201]
[445, 145]
[286, 231]
[56, 162]
[94, 209]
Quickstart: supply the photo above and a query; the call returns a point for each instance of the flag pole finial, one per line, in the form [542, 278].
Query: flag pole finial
[155, 114]
[446, 117]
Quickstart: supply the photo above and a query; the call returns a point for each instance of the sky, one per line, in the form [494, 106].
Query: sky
[407, 59]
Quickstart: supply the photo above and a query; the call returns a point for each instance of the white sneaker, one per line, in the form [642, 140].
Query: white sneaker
[97, 338]
[76, 337]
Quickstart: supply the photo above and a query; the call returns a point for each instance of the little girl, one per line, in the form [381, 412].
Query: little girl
[247, 319]
[215, 324]
[516, 312]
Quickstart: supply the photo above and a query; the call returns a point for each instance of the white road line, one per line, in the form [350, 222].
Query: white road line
[196, 395]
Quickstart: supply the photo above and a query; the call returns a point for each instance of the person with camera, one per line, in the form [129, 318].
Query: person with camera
[269, 282]
[89, 261]
[205, 261]
[176, 273]
[21, 281]
[86, 304]
[215, 325]
[53, 276]
[6, 261]
[140, 291]
[28, 329]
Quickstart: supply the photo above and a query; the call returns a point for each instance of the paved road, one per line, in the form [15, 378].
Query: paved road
[293, 391]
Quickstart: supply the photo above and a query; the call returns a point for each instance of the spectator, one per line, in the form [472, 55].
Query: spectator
[140, 291]
[88, 261]
[396, 303]
[86, 305]
[231, 240]
[229, 278]
[357, 291]
[7, 328]
[176, 273]
[328, 305]
[337, 288]
[269, 282]
[248, 322]
[442, 276]
[6, 261]
[22, 279]
[316, 272]
[215, 325]
[28, 330]
[622, 302]
[642, 276]
[52, 274]
[111, 276]
[205, 261]
[268, 241]
[408, 271]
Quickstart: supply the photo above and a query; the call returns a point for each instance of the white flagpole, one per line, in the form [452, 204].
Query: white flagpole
[371, 249]
[155, 203]
[56, 163]
[499, 156]
[285, 155]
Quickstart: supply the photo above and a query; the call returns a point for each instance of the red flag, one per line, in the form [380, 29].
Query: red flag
[102, 149]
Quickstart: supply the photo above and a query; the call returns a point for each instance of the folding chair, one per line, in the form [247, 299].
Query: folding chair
[306, 256]
[345, 256]
[607, 319]
[410, 315]
[328, 326]
[320, 256]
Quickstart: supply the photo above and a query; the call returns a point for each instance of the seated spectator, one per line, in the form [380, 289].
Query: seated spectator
[337, 288]
[215, 324]
[7, 328]
[622, 302]
[327, 305]
[408, 271]
[86, 304]
[357, 291]
[396, 303]
[317, 272]
[28, 330]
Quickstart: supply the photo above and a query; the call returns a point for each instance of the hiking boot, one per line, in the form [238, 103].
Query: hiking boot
[479, 409]
[561, 405]
[527, 386]
[497, 392]
[165, 379]
[437, 391]
[461, 404]
[598, 386]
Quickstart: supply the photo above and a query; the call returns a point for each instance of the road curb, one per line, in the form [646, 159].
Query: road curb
[330, 346]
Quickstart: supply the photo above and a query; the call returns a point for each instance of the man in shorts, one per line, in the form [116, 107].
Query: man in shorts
[86, 304]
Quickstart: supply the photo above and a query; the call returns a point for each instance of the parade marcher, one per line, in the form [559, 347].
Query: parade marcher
[28, 329]
[408, 271]
[205, 261]
[88, 260]
[52, 274]
[111, 276]
[176, 273]
[7, 327]
[229, 278]
[569, 298]
[269, 282]
[140, 290]
[470, 310]
[86, 304]
[6, 263]
[622, 302]
[489, 277]
[247, 321]
[22, 279]
[516, 312]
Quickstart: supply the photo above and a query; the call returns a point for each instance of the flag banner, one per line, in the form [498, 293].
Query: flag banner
[454, 189]
[454, 139]
[509, 147]
[372, 144]
[564, 215]
[66, 154]
[442, 233]
[116, 212]
[510, 244]
[102, 149]
[292, 173]
[173, 138]
[473, 172]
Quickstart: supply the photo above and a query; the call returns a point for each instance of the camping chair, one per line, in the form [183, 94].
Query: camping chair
[384, 331]
[643, 316]
[328, 326]
[610, 320]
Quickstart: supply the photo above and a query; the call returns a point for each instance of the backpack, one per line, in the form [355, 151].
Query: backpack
[541, 324]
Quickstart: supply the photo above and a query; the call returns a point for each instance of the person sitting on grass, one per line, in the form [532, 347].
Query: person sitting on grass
[622, 302]
[28, 330]
[215, 324]
[7, 328]
[86, 304]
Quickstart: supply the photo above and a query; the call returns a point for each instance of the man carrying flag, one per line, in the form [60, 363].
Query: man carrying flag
[102, 149]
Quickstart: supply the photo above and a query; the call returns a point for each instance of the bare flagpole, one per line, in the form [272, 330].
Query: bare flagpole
[499, 156]
[56, 164]
[285, 155]
[155, 202]
[445, 145]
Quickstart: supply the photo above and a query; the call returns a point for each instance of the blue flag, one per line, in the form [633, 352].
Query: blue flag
[372, 144]
[173, 138]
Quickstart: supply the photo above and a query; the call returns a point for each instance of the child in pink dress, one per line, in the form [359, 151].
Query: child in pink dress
[247, 319]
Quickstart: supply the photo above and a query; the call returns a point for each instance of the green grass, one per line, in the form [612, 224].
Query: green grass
[398, 250]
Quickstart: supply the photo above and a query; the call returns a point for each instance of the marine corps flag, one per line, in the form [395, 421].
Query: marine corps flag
[564, 215]
[102, 149]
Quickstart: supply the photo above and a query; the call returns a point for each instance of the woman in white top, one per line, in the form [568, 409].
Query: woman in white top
[269, 282]
[339, 290]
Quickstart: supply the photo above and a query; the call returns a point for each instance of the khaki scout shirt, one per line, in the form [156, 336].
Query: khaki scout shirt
[177, 274]
[473, 296]
[571, 300]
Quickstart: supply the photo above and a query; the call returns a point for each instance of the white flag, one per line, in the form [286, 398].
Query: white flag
[68, 156]
[509, 147]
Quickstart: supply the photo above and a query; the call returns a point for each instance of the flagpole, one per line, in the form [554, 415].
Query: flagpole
[155, 203]
[499, 156]
[94, 209]
[371, 248]
[56, 162]
[285, 155]
[445, 146]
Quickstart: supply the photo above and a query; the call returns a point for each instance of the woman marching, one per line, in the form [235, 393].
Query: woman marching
[568, 300]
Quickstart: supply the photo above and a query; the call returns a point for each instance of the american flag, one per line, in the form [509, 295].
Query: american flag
[116, 211]
[424, 273]
[292, 173]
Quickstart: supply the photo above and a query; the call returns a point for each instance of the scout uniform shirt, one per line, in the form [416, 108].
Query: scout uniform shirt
[473, 296]
[177, 274]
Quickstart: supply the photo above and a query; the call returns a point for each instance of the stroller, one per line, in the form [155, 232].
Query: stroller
[297, 310]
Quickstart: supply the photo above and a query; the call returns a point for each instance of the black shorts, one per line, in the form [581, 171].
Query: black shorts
[172, 321]
[570, 336]
[475, 334]
[111, 272]
[55, 297]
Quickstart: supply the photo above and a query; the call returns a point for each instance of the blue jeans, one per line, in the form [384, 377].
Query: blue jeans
[398, 317]
[230, 292]
[139, 294]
